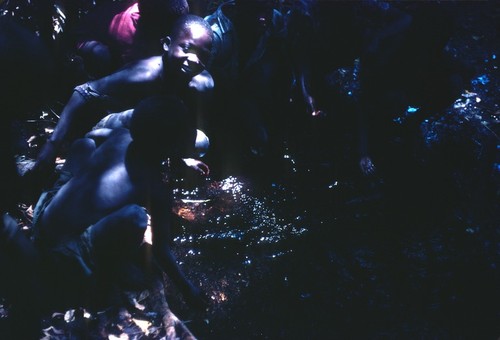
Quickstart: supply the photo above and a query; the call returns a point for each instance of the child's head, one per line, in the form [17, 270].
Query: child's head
[162, 128]
[188, 47]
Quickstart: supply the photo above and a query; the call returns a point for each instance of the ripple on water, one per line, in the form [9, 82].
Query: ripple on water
[232, 211]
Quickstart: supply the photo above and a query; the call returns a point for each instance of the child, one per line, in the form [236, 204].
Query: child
[181, 70]
[94, 224]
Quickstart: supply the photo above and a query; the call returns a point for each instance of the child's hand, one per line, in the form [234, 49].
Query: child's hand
[202, 82]
[197, 165]
[45, 161]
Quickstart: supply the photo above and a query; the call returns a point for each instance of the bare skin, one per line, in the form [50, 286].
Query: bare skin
[122, 119]
[180, 70]
[115, 185]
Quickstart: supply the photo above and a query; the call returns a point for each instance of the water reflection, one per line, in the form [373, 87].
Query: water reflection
[231, 210]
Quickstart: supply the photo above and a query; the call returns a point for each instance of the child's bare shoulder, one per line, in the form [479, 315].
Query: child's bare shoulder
[144, 70]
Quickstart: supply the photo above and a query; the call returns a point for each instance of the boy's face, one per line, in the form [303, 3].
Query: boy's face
[188, 53]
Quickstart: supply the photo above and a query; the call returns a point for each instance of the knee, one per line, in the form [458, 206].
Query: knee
[83, 145]
[135, 215]
[79, 154]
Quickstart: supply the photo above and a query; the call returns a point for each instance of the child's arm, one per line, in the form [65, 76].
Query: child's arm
[161, 219]
[71, 116]
[91, 100]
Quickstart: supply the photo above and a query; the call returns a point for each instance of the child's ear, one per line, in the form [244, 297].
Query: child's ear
[166, 43]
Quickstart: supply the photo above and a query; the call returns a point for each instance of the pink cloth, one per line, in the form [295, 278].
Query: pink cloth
[123, 28]
[124, 25]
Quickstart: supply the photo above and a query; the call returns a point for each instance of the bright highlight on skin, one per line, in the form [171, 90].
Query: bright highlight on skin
[197, 31]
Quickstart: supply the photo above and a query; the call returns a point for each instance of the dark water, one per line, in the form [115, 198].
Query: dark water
[316, 250]
[295, 262]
